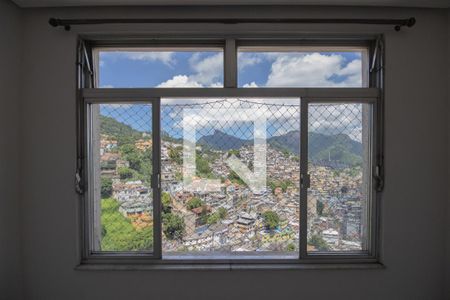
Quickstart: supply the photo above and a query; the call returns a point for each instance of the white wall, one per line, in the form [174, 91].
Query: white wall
[10, 39]
[414, 202]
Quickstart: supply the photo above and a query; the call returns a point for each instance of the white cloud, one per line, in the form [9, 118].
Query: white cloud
[353, 72]
[250, 85]
[180, 81]
[246, 59]
[313, 70]
[239, 110]
[207, 72]
[165, 57]
[333, 119]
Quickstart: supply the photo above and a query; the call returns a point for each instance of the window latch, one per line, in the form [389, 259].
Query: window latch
[78, 183]
[305, 181]
[156, 181]
[379, 178]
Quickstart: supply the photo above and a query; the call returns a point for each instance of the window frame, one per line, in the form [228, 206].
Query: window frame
[88, 94]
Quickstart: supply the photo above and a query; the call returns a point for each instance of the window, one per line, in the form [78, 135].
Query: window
[339, 141]
[237, 140]
[121, 173]
[280, 166]
[302, 67]
[160, 67]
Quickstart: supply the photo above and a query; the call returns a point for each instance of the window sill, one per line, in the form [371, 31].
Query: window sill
[229, 266]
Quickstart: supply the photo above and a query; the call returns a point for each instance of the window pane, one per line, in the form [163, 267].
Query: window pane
[230, 176]
[140, 68]
[301, 67]
[122, 167]
[338, 199]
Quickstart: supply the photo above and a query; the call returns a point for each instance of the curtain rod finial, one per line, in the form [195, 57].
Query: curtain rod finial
[53, 22]
[411, 22]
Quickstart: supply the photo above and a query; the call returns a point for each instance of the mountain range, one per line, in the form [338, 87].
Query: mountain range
[337, 149]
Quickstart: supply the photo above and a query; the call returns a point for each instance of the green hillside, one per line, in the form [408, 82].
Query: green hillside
[123, 133]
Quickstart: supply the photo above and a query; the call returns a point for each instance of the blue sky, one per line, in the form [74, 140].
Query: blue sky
[205, 69]
[197, 69]
[153, 69]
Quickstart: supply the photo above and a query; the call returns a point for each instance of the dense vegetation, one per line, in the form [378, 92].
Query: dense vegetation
[125, 134]
[338, 148]
[173, 225]
[140, 162]
[176, 154]
[271, 220]
[318, 242]
[283, 184]
[118, 233]
[215, 217]
[106, 189]
[235, 178]
[194, 203]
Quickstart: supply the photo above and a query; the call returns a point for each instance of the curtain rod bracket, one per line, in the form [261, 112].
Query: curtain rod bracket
[409, 23]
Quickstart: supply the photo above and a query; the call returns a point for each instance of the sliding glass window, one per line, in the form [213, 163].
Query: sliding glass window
[279, 168]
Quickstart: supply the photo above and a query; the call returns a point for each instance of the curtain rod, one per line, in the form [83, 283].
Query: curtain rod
[67, 23]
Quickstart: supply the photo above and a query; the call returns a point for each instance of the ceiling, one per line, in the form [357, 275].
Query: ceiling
[399, 3]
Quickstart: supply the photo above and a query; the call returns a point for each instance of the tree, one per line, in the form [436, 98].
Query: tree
[175, 154]
[146, 170]
[319, 207]
[290, 247]
[125, 173]
[127, 149]
[234, 177]
[203, 168]
[106, 187]
[234, 152]
[213, 218]
[166, 203]
[271, 220]
[286, 153]
[135, 160]
[135, 157]
[318, 242]
[222, 212]
[194, 203]
[204, 216]
[283, 184]
[173, 226]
